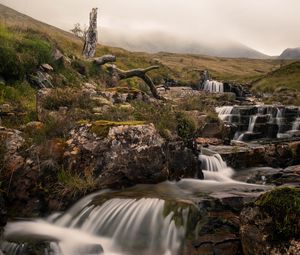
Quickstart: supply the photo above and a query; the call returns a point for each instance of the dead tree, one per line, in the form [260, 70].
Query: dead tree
[91, 37]
[118, 74]
[104, 60]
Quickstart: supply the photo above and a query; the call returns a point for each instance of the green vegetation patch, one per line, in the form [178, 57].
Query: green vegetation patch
[287, 76]
[283, 205]
[21, 52]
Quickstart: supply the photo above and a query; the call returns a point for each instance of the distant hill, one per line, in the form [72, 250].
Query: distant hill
[287, 76]
[290, 53]
[156, 42]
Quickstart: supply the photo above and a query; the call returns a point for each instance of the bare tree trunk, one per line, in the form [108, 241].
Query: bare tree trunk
[118, 74]
[91, 38]
[105, 59]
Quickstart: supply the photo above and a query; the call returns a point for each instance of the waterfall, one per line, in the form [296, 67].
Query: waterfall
[213, 86]
[224, 112]
[252, 123]
[279, 119]
[296, 125]
[118, 226]
[255, 122]
[215, 168]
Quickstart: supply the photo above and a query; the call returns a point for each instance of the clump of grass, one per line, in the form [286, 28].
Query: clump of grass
[283, 205]
[73, 184]
[162, 115]
[22, 99]
[186, 126]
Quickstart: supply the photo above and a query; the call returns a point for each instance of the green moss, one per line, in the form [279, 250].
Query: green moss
[101, 127]
[283, 205]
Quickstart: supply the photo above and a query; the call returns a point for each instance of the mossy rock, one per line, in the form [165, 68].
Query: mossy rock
[101, 127]
[283, 205]
[124, 90]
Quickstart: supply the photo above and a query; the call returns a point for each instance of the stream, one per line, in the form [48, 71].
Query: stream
[144, 219]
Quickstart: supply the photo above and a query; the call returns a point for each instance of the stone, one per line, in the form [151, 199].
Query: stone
[6, 108]
[260, 223]
[46, 68]
[41, 80]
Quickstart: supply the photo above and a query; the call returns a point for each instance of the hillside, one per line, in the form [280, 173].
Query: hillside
[175, 66]
[290, 54]
[287, 76]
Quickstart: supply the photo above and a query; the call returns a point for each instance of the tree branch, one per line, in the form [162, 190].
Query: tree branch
[139, 72]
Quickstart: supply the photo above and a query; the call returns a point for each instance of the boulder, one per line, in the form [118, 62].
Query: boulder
[118, 154]
[272, 224]
[41, 80]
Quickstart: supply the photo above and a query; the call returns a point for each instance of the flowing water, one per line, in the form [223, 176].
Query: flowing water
[261, 121]
[136, 221]
[213, 86]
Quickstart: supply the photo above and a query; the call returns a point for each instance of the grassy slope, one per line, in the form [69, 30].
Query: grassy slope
[287, 76]
[177, 66]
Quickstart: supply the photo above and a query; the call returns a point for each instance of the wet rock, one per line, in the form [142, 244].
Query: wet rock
[182, 162]
[211, 130]
[3, 215]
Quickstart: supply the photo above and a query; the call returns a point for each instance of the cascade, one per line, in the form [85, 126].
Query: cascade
[118, 226]
[296, 125]
[215, 168]
[213, 86]
[261, 121]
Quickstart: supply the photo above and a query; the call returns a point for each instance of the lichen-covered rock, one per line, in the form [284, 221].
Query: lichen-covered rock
[12, 141]
[118, 154]
[272, 224]
[135, 155]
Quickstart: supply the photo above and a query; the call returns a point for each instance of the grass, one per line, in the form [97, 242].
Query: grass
[22, 99]
[21, 53]
[74, 184]
[287, 76]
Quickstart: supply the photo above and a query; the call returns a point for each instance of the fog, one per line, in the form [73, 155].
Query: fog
[268, 26]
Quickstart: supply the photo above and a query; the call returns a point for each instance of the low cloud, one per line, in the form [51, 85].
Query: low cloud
[269, 26]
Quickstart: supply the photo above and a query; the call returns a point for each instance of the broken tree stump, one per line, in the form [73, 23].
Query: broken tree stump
[91, 37]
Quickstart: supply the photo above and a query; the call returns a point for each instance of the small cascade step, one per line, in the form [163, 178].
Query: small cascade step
[262, 121]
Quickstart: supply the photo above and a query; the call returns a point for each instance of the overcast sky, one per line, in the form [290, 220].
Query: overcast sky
[269, 26]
